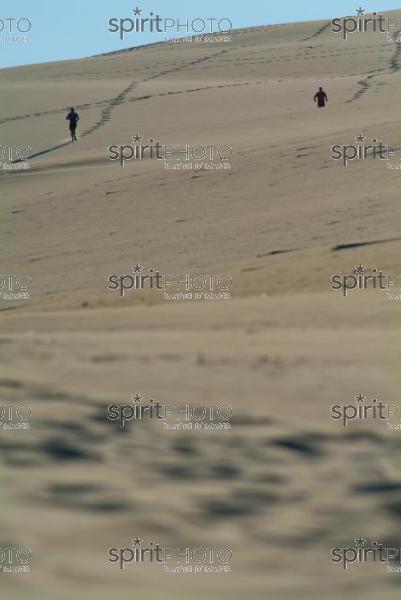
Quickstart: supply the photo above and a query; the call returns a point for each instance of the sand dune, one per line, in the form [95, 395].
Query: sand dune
[285, 483]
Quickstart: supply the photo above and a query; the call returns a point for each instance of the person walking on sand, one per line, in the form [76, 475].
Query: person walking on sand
[321, 98]
[73, 118]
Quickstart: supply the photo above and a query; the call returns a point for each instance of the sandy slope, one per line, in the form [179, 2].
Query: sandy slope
[286, 483]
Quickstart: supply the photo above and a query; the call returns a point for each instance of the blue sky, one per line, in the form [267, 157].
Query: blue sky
[77, 28]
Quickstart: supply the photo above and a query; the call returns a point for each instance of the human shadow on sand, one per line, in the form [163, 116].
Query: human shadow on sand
[41, 153]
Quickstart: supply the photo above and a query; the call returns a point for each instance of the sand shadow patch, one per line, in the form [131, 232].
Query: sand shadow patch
[351, 245]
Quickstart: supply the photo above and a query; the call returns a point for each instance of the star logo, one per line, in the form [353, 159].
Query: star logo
[360, 138]
[360, 542]
[360, 12]
[136, 541]
[137, 138]
[360, 398]
[137, 268]
[136, 398]
[137, 12]
[359, 269]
